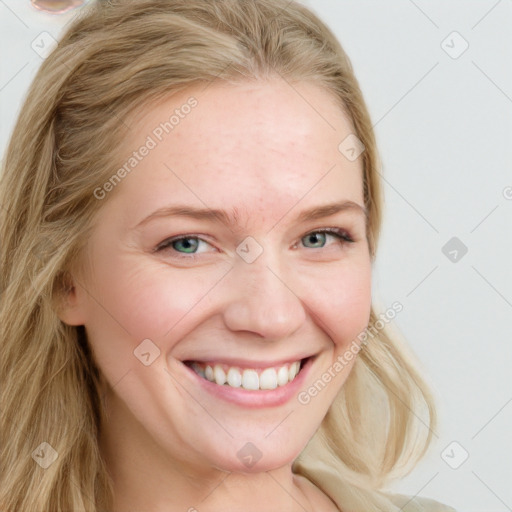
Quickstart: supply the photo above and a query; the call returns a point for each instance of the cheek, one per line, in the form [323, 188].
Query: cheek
[342, 302]
[132, 302]
[150, 299]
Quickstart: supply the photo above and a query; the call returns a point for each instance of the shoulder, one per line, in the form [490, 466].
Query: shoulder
[418, 504]
[322, 472]
[349, 497]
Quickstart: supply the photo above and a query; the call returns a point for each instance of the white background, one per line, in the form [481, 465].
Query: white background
[444, 130]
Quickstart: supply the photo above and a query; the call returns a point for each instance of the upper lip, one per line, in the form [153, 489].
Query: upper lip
[245, 363]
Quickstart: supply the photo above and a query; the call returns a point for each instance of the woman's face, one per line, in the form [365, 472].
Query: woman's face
[247, 291]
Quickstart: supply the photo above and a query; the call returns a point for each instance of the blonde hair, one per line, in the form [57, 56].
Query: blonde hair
[117, 57]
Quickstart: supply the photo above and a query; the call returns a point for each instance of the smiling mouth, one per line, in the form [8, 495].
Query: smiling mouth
[248, 378]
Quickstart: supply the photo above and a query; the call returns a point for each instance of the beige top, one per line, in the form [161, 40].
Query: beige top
[328, 481]
[323, 474]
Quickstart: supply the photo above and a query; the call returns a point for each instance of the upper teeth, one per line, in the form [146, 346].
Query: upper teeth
[268, 378]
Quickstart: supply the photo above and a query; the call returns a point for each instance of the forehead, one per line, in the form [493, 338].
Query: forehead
[257, 148]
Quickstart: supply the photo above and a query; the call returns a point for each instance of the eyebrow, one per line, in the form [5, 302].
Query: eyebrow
[315, 213]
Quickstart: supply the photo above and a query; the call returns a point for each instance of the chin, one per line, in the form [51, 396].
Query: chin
[255, 457]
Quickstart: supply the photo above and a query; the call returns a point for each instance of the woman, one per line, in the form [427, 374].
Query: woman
[190, 213]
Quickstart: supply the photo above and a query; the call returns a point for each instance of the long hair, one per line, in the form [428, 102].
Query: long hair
[116, 57]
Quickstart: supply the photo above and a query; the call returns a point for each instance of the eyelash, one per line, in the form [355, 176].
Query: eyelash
[342, 235]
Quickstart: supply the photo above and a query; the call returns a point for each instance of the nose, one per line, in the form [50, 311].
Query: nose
[263, 301]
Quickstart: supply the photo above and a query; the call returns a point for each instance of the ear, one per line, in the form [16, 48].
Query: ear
[70, 302]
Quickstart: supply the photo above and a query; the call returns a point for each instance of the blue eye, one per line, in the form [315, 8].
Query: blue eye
[340, 234]
[190, 245]
[186, 245]
[183, 245]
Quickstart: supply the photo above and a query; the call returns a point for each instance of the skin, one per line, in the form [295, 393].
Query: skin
[270, 151]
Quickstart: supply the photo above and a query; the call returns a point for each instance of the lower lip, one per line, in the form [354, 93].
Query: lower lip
[255, 399]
